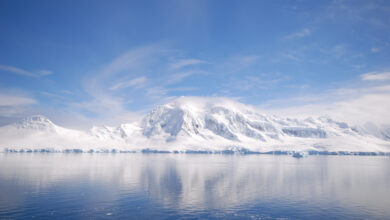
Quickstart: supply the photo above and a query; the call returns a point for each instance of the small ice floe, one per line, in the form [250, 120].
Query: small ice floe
[300, 154]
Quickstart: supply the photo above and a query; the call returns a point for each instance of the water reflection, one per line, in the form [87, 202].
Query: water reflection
[179, 185]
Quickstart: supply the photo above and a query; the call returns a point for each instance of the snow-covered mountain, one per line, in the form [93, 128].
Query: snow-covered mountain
[196, 124]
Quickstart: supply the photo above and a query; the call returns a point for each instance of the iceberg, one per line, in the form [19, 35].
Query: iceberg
[300, 154]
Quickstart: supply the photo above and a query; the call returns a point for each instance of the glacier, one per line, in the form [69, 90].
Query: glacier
[200, 125]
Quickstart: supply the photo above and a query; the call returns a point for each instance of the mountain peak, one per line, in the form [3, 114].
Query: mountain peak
[37, 122]
[39, 118]
[206, 104]
[204, 118]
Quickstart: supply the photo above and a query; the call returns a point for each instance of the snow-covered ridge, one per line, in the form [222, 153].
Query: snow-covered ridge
[196, 125]
[36, 122]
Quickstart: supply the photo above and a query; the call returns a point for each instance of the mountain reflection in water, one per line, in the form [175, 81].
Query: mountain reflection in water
[188, 185]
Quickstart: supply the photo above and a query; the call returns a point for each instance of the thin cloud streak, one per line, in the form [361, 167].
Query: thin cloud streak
[19, 71]
[177, 77]
[139, 82]
[353, 105]
[15, 104]
[186, 62]
[376, 76]
[103, 102]
[300, 34]
[7, 100]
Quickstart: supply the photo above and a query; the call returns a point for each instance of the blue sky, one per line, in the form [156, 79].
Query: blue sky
[86, 61]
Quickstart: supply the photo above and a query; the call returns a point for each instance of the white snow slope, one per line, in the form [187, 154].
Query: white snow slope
[198, 125]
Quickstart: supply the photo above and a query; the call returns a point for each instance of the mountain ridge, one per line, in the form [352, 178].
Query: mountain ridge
[198, 125]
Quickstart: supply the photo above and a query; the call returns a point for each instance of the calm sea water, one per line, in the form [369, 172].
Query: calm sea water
[163, 186]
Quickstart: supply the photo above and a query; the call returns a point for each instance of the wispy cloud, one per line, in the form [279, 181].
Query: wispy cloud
[358, 12]
[131, 60]
[55, 96]
[44, 72]
[253, 85]
[156, 92]
[103, 101]
[186, 62]
[299, 34]
[356, 105]
[375, 49]
[298, 86]
[139, 82]
[296, 53]
[177, 77]
[377, 76]
[293, 57]
[336, 51]
[10, 100]
[67, 92]
[15, 104]
[237, 63]
[19, 71]
[245, 60]
[136, 65]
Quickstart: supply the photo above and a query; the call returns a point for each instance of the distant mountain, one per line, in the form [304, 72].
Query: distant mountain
[195, 124]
